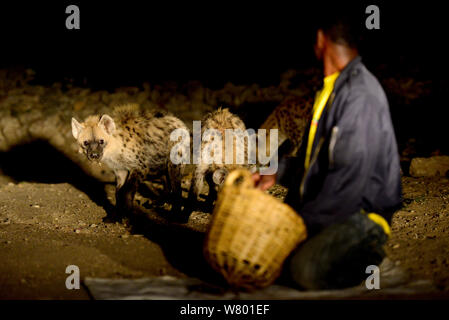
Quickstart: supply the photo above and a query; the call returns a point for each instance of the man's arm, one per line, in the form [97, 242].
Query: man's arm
[288, 168]
[351, 159]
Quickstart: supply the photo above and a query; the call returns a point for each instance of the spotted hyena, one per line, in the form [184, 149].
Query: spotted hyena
[136, 145]
[214, 174]
[291, 118]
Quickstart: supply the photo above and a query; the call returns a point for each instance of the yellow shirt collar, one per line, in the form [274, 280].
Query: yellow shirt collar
[318, 107]
[331, 78]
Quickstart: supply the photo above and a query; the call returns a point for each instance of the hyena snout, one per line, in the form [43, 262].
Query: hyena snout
[93, 156]
[94, 152]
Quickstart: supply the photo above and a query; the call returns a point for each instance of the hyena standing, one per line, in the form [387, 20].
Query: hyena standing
[215, 173]
[136, 145]
[291, 118]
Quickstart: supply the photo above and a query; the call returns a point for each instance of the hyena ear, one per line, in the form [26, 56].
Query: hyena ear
[76, 128]
[219, 176]
[107, 123]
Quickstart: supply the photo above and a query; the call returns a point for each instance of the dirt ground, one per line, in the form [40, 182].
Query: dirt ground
[420, 230]
[46, 227]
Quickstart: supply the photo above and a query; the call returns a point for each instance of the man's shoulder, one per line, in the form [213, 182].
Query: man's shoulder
[362, 82]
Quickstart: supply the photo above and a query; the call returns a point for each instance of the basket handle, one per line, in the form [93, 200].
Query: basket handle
[247, 180]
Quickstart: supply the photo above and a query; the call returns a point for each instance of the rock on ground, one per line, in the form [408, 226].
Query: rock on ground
[428, 167]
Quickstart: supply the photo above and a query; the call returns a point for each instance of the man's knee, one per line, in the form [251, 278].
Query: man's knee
[338, 256]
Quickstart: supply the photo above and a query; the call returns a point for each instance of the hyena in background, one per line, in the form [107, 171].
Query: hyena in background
[136, 145]
[214, 174]
[291, 118]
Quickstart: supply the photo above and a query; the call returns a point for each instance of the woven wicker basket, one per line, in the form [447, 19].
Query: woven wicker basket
[251, 233]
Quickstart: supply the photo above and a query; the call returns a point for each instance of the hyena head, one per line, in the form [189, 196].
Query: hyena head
[219, 176]
[93, 135]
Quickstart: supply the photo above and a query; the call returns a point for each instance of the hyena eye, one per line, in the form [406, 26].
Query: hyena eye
[101, 141]
[86, 143]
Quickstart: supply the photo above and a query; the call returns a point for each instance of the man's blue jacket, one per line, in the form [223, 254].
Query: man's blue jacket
[354, 162]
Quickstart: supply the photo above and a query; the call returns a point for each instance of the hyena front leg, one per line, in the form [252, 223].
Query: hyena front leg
[174, 184]
[126, 189]
[196, 186]
[121, 176]
[212, 195]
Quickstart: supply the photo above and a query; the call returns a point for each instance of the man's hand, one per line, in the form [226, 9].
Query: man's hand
[264, 182]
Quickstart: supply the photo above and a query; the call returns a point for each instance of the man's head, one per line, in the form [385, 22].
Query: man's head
[337, 28]
[93, 135]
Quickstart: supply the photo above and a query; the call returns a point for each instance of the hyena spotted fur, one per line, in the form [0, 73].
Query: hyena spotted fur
[291, 118]
[214, 174]
[136, 145]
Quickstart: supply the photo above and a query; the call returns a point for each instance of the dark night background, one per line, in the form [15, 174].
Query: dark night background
[127, 42]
